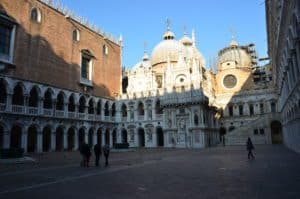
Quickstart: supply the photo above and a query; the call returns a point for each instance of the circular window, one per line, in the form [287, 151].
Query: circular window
[229, 81]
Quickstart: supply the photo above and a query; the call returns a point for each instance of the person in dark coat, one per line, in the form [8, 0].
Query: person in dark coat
[88, 154]
[106, 153]
[250, 147]
[82, 153]
[97, 151]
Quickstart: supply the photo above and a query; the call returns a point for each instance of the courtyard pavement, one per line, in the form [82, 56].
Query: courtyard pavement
[212, 173]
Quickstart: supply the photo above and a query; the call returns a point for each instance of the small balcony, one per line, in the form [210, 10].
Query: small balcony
[59, 113]
[91, 116]
[47, 112]
[32, 111]
[71, 115]
[2, 107]
[81, 116]
[18, 109]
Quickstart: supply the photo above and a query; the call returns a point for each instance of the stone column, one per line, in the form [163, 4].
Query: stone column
[9, 102]
[136, 138]
[24, 141]
[94, 138]
[103, 138]
[6, 139]
[65, 140]
[39, 141]
[119, 135]
[53, 106]
[86, 137]
[26, 103]
[53, 141]
[76, 140]
[110, 139]
[40, 105]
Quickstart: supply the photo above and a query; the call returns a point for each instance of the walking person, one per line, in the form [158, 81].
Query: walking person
[106, 153]
[82, 153]
[97, 151]
[250, 147]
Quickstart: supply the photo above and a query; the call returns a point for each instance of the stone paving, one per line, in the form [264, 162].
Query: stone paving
[221, 172]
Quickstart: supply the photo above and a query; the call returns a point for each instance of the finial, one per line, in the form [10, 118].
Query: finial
[193, 37]
[168, 23]
[145, 47]
[184, 30]
[231, 30]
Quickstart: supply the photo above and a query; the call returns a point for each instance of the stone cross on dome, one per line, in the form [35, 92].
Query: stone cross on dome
[168, 23]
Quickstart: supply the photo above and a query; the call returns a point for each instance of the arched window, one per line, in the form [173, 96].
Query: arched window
[76, 35]
[33, 98]
[3, 93]
[35, 15]
[99, 107]
[91, 106]
[141, 110]
[124, 110]
[71, 105]
[105, 50]
[106, 109]
[113, 110]
[60, 101]
[196, 119]
[158, 108]
[18, 97]
[82, 104]
[48, 99]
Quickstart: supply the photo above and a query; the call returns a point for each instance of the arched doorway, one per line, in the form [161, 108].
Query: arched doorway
[59, 138]
[114, 137]
[99, 137]
[71, 138]
[160, 136]
[1, 137]
[124, 136]
[81, 136]
[46, 138]
[16, 137]
[141, 135]
[276, 132]
[222, 132]
[107, 136]
[31, 139]
[91, 137]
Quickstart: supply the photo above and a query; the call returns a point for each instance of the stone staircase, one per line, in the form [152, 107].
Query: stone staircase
[239, 135]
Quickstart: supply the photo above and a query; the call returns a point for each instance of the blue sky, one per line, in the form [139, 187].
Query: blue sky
[142, 22]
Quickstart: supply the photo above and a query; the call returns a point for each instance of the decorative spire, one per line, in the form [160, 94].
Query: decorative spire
[232, 42]
[184, 30]
[168, 24]
[145, 57]
[193, 37]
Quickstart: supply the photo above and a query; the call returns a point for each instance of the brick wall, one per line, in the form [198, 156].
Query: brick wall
[46, 53]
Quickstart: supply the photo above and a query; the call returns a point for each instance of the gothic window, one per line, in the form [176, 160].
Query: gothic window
[229, 81]
[159, 81]
[261, 107]
[76, 35]
[273, 107]
[105, 49]
[196, 120]
[251, 109]
[35, 15]
[141, 109]
[124, 110]
[7, 36]
[241, 109]
[230, 108]
[86, 67]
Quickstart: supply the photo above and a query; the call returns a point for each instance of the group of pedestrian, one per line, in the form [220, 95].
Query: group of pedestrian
[86, 154]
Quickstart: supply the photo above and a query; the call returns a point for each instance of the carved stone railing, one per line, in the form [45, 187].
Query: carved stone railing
[32, 110]
[18, 109]
[47, 112]
[2, 107]
[59, 113]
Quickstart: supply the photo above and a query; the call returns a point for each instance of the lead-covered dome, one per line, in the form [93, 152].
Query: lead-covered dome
[168, 49]
[234, 54]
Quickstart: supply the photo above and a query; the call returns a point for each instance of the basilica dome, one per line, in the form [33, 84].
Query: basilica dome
[236, 54]
[168, 49]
